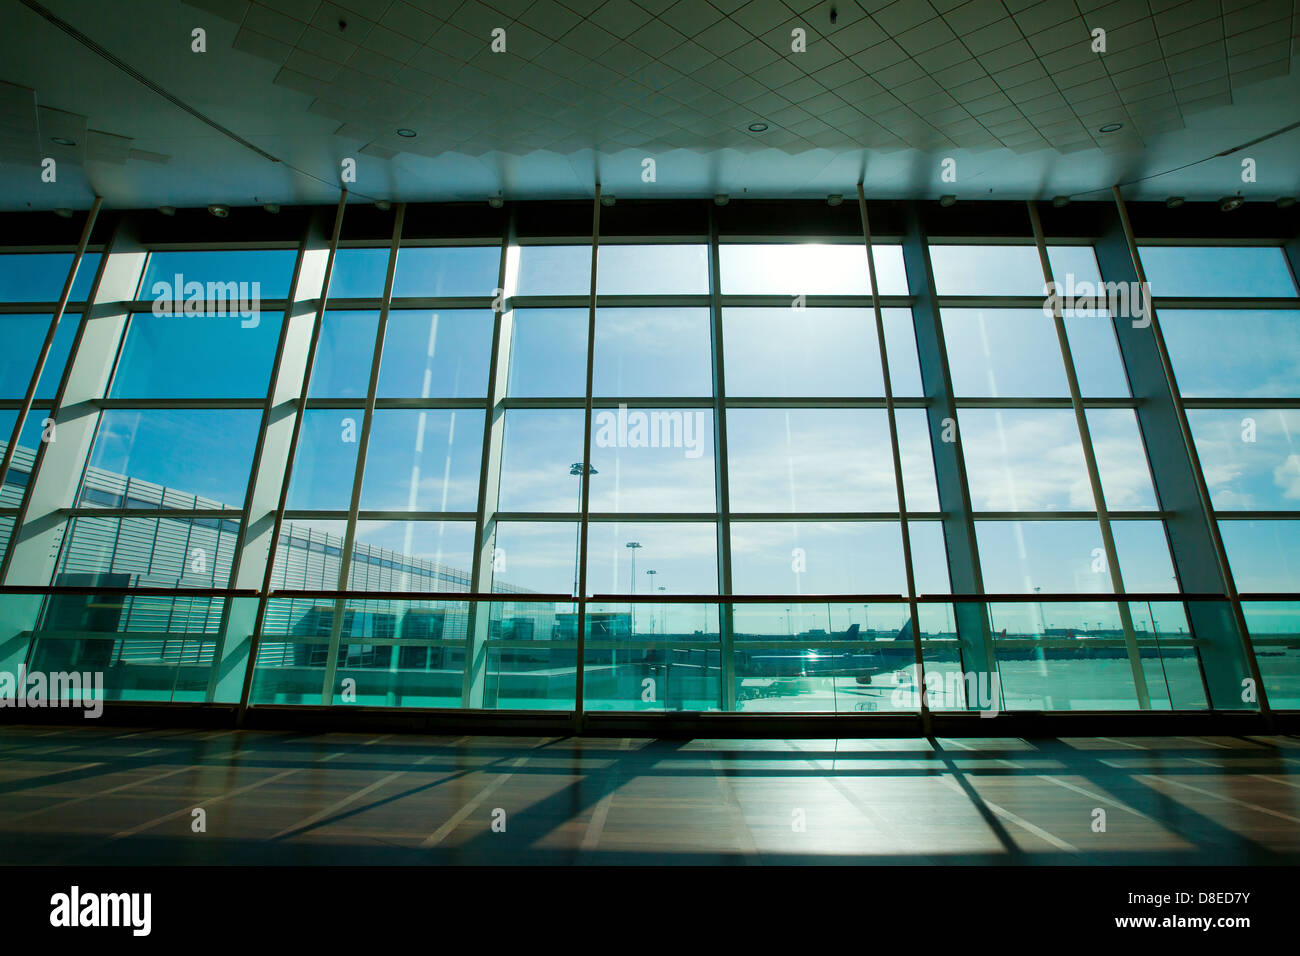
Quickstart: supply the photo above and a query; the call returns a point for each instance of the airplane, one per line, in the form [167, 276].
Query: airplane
[771, 673]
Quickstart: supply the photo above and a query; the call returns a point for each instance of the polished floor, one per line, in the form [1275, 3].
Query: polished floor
[102, 795]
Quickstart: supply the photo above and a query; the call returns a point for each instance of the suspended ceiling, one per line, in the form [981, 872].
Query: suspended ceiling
[1010, 90]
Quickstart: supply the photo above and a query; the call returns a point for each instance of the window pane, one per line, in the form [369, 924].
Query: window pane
[791, 460]
[652, 352]
[1003, 353]
[651, 459]
[904, 366]
[540, 449]
[795, 353]
[1050, 556]
[1275, 631]
[149, 552]
[554, 270]
[919, 487]
[423, 460]
[202, 453]
[929, 558]
[359, 274]
[1263, 555]
[683, 557]
[23, 336]
[446, 271]
[195, 357]
[444, 354]
[169, 273]
[343, 354]
[1143, 552]
[1236, 354]
[652, 270]
[308, 555]
[1194, 271]
[536, 556]
[1024, 460]
[1073, 265]
[824, 557]
[548, 353]
[326, 460]
[1097, 362]
[809, 268]
[412, 556]
[1250, 457]
[1121, 459]
[39, 276]
[987, 270]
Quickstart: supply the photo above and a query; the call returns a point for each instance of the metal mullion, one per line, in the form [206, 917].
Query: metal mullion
[135, 306]
[1198, 474]
[788, 516]
[1034, 302]
[683, 300]
[179, 403]
[268, 406]
[721, 468]
[580, 597]
[1284, 304]
[759, 301]
[498, 368]
[913, 610]
[278, 523]
[1261, 403]
[359, 472]
[442, 303]
[1090, 463]
[50, 333]
[1257, 515]
[86, 511]
[28, 308]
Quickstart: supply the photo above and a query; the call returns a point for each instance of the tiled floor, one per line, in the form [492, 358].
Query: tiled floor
[105, 795]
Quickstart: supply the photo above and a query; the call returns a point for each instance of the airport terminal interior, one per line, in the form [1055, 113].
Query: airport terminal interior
[655, 421]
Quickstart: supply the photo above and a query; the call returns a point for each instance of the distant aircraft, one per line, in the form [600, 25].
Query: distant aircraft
[770, 673]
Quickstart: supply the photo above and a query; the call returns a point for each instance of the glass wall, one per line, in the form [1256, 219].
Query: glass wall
[454, 479]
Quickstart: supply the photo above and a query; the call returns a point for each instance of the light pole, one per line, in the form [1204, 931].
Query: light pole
[652, 573]
[576, 470]
[633, 546]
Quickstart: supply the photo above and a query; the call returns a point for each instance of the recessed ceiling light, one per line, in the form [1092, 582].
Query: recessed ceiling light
[1111, 128]
[834, 199]
[758, 127]
[63, 141]
[1285, 202]
[721, 199]
[221, 212]
[1229, 203]
[1060, 201]
[947, 200]
[408, 133]
[1173, 202]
